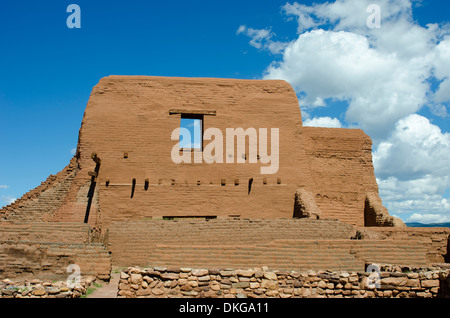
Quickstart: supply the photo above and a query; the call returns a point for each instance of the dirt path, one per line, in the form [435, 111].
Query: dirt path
[108, 290]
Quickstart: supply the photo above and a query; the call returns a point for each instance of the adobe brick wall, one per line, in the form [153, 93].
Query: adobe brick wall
[436, 240]
[134, 242]
[45, 249]
[278, 243]
[40, 203]
[164, 282]
[342, 173]
[131, 114]
[47, 260]
[304, 255]
[45, 232]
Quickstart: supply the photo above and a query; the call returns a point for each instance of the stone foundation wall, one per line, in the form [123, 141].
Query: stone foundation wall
[35, 288]
[394, 282]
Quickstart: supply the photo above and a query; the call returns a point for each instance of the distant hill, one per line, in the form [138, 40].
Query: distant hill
[428, 225]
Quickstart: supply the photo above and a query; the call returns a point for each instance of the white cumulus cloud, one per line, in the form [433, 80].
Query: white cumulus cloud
[384, 77]
[428, 218]
[442, 70]
[412, 167]
[379, 85]
[323, 122]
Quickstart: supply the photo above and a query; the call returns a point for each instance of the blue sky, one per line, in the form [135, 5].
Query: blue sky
[47, 72]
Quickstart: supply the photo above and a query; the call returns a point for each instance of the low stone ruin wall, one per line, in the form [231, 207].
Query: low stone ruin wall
[35, 288]
[391, 282]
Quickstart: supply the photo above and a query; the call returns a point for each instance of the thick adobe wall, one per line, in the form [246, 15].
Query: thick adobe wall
[435, 239]
[278, 243]
[129, 122]
[343, 176]
[136, 242]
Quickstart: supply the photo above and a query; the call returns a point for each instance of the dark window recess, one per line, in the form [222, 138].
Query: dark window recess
[205, 217]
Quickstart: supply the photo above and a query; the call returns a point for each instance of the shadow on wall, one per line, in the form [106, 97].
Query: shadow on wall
[444, 287]
[305, 205]
[447, 256]
[90, 194]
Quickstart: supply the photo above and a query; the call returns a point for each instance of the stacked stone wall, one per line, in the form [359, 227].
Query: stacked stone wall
[36, 288]
[393, 282]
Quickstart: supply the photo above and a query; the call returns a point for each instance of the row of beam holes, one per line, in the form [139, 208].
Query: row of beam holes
[223, 181]
[172, 182]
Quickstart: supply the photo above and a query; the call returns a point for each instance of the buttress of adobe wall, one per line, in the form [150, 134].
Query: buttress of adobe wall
[375, 214]
[40, 203]
[342, 171]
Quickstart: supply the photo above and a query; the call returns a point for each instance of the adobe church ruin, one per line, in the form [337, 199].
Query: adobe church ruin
[127, 126]
[124, 196]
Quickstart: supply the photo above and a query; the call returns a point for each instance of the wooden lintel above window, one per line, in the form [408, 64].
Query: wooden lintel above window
[192, 112]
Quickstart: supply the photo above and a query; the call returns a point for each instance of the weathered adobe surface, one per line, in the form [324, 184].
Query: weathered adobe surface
[343, 179]
[40, 203]
[45, 249]
[435, 240]
[45, 232]
[299, 244]
[131, 115]
[47, 260]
